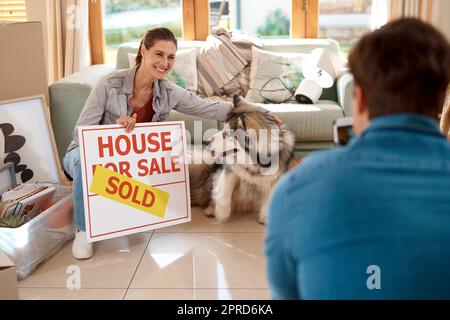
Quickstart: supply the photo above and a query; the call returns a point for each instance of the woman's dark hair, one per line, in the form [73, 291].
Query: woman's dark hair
[403, 67]
[150, 38]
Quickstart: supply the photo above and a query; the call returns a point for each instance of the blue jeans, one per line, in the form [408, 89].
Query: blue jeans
[72, 165]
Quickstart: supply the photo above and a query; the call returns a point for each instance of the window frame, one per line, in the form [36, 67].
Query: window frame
[304, 19]
[195, 20]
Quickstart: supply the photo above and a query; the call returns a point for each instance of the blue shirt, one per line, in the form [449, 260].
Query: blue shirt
[367, 221]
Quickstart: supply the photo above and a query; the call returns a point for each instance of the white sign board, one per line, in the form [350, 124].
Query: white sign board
[134, 182]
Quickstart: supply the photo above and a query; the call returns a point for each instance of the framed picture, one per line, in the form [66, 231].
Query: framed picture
[7, 177]
[27, 140]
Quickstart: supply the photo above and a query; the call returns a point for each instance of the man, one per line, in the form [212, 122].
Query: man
[372, 220]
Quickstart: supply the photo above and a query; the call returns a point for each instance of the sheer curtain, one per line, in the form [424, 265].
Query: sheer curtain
[379, 14]
[435, 12]
[410, 8]
[65, 24]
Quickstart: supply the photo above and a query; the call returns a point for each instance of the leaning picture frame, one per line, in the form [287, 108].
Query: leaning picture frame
[27, 140]
[7, 177]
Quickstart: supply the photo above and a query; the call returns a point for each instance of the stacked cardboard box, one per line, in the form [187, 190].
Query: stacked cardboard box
[8, 279]
[22, 60]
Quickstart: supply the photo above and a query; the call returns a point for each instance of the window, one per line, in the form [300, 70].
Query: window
[13, 10]
[344, 20]
[264, 18]
[128, 20]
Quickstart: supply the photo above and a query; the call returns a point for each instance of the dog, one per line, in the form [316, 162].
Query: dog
[249, 156]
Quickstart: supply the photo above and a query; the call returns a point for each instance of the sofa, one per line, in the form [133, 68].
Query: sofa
[312, 124]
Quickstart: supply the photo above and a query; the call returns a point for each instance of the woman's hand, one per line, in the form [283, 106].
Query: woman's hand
[127, 122]
[277, 120]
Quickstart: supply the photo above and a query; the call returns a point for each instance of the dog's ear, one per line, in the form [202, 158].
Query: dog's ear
[240, 124]
[236, 101]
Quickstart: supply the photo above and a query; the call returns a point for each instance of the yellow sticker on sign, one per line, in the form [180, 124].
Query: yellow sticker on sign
[130, 192]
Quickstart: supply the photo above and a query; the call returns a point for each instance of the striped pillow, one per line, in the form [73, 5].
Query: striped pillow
[219, 63]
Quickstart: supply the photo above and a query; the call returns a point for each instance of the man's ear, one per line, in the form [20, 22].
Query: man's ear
[359, 101]
[360, 111]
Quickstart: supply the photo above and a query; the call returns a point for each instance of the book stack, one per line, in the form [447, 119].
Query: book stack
[26, 200]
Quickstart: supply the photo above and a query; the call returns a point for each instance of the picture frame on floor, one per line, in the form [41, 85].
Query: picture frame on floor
[7, 177]
[27, 140]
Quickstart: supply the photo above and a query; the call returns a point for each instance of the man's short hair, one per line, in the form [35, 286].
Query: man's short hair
[403, 67]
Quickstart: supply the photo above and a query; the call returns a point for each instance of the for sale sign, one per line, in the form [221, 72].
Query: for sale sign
[134, 182]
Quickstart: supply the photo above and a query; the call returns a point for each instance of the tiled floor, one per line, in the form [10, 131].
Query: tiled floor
[197, 260]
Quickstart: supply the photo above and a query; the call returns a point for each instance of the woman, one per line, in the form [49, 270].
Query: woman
[140, 94]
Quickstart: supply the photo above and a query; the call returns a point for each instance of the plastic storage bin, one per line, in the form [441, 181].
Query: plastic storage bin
[41, 237]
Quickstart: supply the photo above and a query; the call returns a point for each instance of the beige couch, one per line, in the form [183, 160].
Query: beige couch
[312, 124]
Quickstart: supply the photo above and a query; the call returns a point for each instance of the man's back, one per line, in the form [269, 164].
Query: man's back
[369, 221]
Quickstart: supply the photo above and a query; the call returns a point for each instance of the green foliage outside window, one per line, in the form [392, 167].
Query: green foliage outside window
[115, 37]
[115, 6]
[276, 24]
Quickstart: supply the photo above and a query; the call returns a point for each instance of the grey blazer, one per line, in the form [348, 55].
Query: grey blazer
[109, 100]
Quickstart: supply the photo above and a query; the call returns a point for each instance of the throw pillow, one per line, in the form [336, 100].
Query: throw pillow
[274, 76]
[184, 71]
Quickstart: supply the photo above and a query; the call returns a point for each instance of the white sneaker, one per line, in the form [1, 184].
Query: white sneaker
[81, 249]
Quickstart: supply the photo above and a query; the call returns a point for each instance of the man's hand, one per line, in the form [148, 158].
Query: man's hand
[127, 122]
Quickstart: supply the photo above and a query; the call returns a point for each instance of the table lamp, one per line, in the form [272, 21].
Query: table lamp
[319, 70]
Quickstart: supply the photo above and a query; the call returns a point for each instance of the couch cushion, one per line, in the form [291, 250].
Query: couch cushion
[300, 45]
[67, 98]
[310, 122]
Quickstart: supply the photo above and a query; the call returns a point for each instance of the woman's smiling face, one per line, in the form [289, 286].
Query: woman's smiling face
[159, 59]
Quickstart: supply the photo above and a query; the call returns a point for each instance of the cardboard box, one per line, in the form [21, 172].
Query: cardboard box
[22, 60]
[8, 279]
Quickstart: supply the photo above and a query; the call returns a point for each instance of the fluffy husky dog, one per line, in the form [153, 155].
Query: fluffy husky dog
[250, 154]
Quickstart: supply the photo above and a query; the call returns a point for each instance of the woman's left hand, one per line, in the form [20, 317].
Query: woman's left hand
[277, 120]
[127, 122]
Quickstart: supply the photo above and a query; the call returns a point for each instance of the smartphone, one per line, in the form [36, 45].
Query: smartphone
[342, 130]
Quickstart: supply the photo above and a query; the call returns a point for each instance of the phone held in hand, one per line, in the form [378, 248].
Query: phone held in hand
[342, 130]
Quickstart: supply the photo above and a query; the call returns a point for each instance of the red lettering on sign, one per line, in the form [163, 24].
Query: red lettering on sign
[163, 165]
[151, 141]
[124, 168]
[111, 181]
[143, 168]
[134, 198]
[175, 160]
[112, 166]
[142, 146]
[108, 145]
[154, 167]
[126, 190]
[125, 185]
[165, 139]
[120, 149]
[146, 202]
